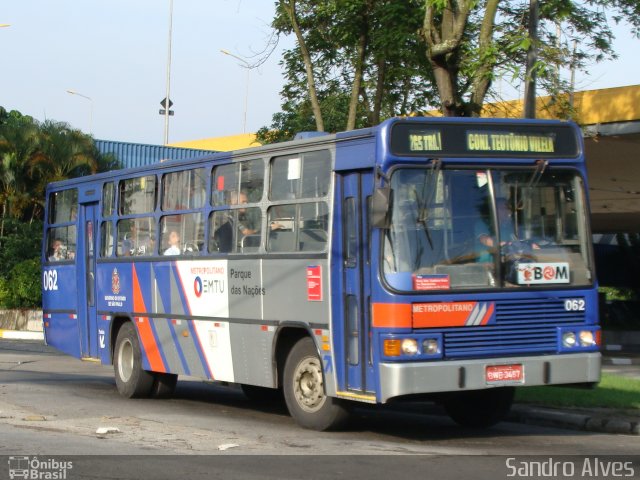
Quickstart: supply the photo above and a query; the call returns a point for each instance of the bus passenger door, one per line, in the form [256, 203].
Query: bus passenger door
[357, 284]
[86, 261]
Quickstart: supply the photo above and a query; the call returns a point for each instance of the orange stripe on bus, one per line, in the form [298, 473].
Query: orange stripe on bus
[392, 315]
[144, 329]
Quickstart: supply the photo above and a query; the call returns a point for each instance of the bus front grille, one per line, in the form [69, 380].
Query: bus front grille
[521, 326]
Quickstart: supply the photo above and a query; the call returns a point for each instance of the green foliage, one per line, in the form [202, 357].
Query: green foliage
[21, 241]
[613, 391]
[495, 45]
[613, 294]
[22, 288]
[33, 154]
[20, 264]
[366, 46]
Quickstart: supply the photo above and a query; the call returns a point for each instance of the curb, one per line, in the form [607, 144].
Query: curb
[21, 335]
[591, 422]
[610, 359]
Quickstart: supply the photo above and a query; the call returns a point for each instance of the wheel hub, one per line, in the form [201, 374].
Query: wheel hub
[308, 385]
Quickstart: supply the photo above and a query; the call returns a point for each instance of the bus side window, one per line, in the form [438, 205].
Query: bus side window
[106, 239]
[137, 195]
[181, 234]
[136, 237]
[63, 206]
[304, 175]
[61, 243]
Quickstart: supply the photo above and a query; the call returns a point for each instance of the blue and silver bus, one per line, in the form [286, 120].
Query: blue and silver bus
[440, 258]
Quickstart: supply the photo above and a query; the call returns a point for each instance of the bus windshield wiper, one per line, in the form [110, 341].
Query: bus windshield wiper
[426, 196]
[541, 166]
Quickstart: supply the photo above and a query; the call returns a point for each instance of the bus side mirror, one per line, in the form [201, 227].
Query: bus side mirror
[380, 207]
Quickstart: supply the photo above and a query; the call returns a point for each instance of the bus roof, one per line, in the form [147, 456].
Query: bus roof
[392, 133]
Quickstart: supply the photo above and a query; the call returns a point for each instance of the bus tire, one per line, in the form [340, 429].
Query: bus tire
[131, 380]
[303, 387]
[480, 408]
[164, 384]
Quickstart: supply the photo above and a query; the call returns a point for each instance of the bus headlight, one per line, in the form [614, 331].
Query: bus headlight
[409, 346]
[430, 346]
[587, 338]
[569, 339]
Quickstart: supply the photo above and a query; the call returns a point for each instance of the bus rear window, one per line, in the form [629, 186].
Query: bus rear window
[63, 206]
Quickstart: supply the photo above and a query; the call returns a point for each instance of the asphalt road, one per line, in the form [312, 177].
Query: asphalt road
[52, 405]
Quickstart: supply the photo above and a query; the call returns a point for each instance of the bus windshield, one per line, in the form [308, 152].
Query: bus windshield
[493, 228]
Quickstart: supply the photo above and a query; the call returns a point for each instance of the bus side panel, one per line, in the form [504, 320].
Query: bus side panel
[251, 352]
[60, 308]
[62, 332]
[216, 318]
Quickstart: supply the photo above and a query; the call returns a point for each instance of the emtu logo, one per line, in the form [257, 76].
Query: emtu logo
[197, 286]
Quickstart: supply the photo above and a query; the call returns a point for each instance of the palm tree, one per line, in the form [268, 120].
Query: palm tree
[18, 143]
[62, 152]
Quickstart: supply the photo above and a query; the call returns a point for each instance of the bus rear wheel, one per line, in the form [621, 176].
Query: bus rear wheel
[480, 408]
[132, 380]
[304, 393]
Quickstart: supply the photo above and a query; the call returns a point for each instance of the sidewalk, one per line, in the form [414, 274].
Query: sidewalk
[21, 335]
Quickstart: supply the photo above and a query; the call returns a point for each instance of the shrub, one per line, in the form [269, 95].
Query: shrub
[22, 287]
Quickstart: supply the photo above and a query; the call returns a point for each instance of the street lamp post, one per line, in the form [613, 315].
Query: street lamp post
[246, 95]
[168, 91]
[73, 92]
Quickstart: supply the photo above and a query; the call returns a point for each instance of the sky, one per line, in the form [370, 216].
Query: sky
[115, 52]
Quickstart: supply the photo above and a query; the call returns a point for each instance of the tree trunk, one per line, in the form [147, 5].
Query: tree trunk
[4, 213]
[443, 45]
[357, 80]
[290, 8]
[380, 83]
[482, 79]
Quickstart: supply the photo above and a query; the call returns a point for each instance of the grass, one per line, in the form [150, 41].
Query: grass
[613, 391]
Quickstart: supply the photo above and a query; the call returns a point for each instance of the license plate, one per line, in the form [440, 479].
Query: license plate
[505, 373]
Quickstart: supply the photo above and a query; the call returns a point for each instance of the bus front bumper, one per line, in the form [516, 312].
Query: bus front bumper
[398, 379]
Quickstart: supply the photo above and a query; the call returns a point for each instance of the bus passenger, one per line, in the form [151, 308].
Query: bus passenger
[136, 243]
[58, 251]
[174, 244]
[246, 224]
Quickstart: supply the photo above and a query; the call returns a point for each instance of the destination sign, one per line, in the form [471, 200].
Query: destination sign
[490, 139]
[427, 140]
[510, 142]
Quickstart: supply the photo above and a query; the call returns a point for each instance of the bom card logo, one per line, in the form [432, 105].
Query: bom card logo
[541, 273]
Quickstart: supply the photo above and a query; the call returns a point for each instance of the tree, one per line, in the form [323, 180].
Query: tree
[18, 144]
[390, 58]
[355, 62]
[33, 154]
[470, 43]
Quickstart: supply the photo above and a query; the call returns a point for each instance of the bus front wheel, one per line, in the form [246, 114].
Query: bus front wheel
[479, 408]
[304, 393]
[131, 380]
